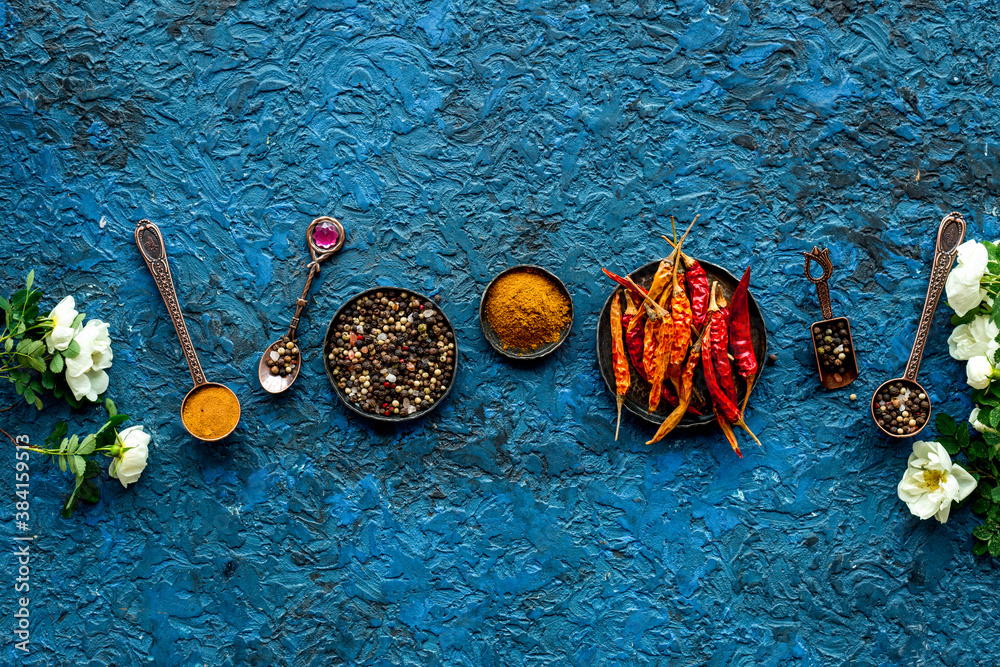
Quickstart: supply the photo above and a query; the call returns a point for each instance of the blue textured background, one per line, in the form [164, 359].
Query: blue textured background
[454, 139]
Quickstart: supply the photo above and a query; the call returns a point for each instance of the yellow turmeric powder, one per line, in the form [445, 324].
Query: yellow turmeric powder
[211, 412]
[526, 309]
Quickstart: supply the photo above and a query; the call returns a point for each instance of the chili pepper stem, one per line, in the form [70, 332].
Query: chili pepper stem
[743, 425]
[746, 396]
[621, 400]
[727, 430]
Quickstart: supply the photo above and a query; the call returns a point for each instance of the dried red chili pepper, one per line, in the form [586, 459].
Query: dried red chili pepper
[721, 400]
[684, 402]
[632, 321]
[740, 341]
[630, 285]
[661, 280]
[720, 345]
[680, 311]
[697, 287]
[659, 359]
[698, 291]
[618, 358]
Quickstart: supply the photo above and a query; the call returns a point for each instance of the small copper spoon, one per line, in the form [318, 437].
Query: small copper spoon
[325, 236]
[822, 332]
[949, 237]
[150, 242]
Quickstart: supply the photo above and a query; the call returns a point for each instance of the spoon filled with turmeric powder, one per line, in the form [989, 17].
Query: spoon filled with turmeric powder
[210, 411]
[526, 312]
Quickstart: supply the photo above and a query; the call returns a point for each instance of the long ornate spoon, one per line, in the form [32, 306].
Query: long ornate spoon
[900, 407]
[150, 242]
[282, 360]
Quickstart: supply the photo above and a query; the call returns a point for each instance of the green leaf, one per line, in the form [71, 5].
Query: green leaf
[992, 439]
[88, 445]
[56, 365]
[77, 465]
[93, 470]
[35, 363]
[994, 543]
[963, 436]
[4, 304]
[109, 405]
[994, 415]
[995, 495]
[70, 506]
[89, 492]
[29, 280]
[964, 319]
[62, 463]
[9, 345]
[981, 505]
[38, 404]
[982, 532]
[78, 320]
[950, 445]
[980, 547]
[945, 424]
[978, 449]
[74, 348]
[58, 433]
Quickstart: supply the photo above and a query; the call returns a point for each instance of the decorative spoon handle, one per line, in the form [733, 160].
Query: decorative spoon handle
[319, 253]
[150, 242]
[821, 257]
[951, 231]
[300, 305]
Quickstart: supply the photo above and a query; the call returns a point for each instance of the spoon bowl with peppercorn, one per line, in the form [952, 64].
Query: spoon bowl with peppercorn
[901, 408]
[281, 362]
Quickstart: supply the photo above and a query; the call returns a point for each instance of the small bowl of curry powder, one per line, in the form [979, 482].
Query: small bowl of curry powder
[526, 312]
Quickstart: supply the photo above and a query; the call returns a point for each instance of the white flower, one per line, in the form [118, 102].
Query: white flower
[974, 339]
[964, 292]
[979, 372]
[932, 482]
[85, 372]
[62, 317]
[978, 425]
[131, 461]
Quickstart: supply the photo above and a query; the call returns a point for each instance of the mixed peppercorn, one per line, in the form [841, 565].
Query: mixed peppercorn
[392, 353]
[833, 348]
[283, 357]
[901, 407]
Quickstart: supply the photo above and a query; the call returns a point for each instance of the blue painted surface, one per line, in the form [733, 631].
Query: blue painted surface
[454, 139]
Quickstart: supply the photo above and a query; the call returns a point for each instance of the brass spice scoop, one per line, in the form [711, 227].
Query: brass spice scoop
[901, 408]
[833, 345]
[282, 360]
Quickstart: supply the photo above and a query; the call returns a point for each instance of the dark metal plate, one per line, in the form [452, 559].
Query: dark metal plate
[327, 345]
[637, 398]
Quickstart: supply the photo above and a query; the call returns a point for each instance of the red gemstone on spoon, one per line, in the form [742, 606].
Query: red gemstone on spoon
[325, 235]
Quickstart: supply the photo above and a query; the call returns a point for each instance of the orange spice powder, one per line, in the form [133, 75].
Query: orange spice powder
[211, 412]
[527, 310]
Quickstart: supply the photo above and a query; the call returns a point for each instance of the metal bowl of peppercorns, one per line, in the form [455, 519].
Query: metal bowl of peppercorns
[391, 354]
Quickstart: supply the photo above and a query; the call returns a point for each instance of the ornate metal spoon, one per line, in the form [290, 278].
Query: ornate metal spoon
[282, 360]
[915, 412]
[150, 242]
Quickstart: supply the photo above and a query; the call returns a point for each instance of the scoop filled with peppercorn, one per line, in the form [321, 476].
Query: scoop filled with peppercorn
[391, 354]
[834, 349]
[831, 336]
